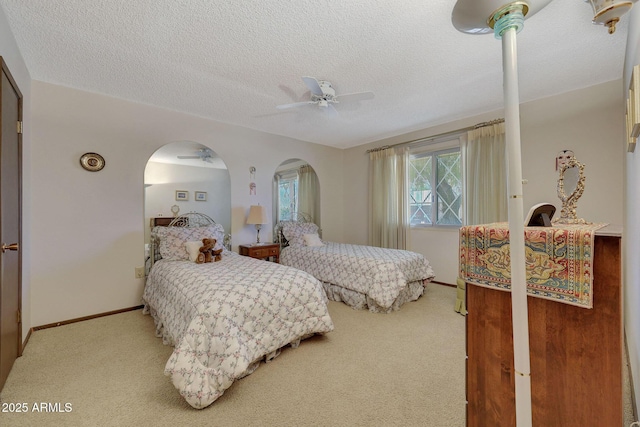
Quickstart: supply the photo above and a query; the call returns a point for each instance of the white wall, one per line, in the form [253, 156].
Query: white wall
[631, 238]
[88, 228]
[587, 121]
[12, 57]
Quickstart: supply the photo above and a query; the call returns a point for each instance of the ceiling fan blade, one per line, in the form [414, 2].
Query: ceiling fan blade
[313, 85]
[356, 96]
[294, 105]
[330, 110]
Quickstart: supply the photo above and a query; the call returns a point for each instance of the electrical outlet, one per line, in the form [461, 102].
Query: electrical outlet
[139, 272]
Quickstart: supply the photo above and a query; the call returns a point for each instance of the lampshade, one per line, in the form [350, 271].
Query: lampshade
[257, 215]
[608, 12]
[475, 17]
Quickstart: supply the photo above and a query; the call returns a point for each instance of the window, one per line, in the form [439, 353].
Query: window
[435, 187]
[287, 195]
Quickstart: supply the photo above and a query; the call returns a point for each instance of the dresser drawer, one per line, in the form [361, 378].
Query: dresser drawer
[259, 253]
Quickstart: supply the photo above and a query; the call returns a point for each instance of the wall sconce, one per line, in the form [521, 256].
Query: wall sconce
[608, 12]
[257, 216]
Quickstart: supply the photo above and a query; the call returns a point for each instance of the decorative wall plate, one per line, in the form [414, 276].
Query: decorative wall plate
[92, 162]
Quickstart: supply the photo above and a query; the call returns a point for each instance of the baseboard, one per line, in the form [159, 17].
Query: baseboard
[634, 407]
[443, 284]
[81, 319]
[26, 340]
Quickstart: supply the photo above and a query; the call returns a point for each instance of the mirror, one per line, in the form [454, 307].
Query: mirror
[570, 177]
[183, 177]
[296, 189]
[570, 188]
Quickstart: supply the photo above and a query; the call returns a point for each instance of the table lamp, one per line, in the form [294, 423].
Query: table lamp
[257, 216]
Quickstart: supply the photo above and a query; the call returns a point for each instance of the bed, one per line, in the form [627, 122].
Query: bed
[364, 277]
[224, 318]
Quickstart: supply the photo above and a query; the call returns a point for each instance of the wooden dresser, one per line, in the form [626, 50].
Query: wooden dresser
[576, 353]
[261, 251]
[161, 221]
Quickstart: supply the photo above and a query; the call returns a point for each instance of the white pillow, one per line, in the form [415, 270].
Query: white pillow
[193, 249]
[172, 239]
[312, 240]
[293, 231]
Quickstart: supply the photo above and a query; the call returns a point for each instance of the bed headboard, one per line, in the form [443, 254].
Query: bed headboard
[295, 217]
[190, 219]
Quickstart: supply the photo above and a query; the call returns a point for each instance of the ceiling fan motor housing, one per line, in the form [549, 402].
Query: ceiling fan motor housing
[328, 94]
[324, 96]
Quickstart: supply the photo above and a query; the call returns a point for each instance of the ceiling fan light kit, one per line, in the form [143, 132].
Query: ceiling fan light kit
[609, 12]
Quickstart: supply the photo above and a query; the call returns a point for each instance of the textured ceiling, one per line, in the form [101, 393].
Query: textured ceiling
[235, 61]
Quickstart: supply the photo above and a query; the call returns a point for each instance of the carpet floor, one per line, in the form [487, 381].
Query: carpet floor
[405, 368]
[400, 369]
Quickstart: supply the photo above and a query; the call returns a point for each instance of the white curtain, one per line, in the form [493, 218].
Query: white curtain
[309, 193]
[388, 198]
[275, 188]
[484, 157]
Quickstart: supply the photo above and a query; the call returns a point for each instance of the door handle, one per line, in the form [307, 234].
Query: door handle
[11, 247]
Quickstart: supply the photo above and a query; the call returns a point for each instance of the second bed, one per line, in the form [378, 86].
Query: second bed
[363, 277]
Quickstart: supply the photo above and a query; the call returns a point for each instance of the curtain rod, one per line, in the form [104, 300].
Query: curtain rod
[440, 135]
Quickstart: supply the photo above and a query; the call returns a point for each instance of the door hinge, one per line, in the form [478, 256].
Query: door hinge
[19, 127]
[19, 316]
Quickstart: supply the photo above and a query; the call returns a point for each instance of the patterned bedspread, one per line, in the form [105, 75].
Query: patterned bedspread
[377, 272]
[224, 317]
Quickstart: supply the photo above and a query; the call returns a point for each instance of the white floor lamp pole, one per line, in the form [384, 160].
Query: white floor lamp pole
[519, 308]
[481, 17]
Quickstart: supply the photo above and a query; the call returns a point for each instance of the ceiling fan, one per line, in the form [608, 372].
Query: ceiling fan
[204, 154]
[324, 96]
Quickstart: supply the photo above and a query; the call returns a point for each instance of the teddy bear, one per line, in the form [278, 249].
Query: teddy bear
[216, 253]
[208, 253]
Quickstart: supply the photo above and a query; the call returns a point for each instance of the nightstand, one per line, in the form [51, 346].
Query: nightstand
[261, 251]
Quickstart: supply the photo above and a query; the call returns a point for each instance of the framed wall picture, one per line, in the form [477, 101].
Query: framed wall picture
[182, 195]
[201, 196]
